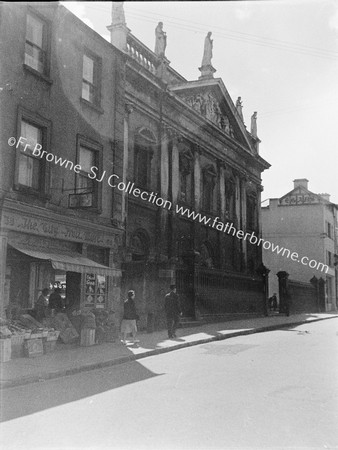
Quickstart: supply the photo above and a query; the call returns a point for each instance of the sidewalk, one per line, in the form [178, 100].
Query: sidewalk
[68, 360]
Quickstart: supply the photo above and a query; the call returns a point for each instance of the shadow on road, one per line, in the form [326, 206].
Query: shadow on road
[29, 399]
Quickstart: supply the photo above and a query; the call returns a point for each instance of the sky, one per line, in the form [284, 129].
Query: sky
[279, 56]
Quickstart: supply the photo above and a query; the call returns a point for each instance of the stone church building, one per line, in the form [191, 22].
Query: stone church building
[186, 142]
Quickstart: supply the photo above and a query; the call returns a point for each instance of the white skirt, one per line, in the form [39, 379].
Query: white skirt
[128, 326]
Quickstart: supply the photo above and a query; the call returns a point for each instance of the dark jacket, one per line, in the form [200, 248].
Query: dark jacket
[171, 304]
[55, 301]
[130, 310]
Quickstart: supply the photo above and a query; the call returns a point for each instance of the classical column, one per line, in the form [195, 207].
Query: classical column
[221, 166]
[128, 111]
[3, 258]
[243, 220]
[197, 180]
[164, 165]
[175, 174]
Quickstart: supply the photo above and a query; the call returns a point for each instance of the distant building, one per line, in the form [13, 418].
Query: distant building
[306, 223]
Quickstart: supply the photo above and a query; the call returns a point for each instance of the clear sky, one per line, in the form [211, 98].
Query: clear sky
[280, 56]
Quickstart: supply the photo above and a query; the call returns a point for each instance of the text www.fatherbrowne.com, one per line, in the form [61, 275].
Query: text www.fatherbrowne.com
[229, 228]
[129, 188]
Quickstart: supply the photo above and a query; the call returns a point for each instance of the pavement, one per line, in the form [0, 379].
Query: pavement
[72, 359]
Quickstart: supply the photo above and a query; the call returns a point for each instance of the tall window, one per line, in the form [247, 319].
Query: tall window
[30, 166]
[86, 160]
[230, 198]
[145, 143]
[36, 44]
[142, 166]
[91, 80]
[209, 182]
[87, 189]
[185, 177]
[251, 211]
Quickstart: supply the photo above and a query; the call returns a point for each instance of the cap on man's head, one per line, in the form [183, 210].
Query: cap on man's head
[173, 286]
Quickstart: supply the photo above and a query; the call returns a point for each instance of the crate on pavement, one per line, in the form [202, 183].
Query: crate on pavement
[5, 350]
[48, 346]
[33, 348]
[17, 344]
[87, 337]
[53, 335]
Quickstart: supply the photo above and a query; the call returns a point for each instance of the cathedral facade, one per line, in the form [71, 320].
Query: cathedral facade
[187, 149]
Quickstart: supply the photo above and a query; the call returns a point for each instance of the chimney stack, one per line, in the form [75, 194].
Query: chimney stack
[325, 196]
[300, 182]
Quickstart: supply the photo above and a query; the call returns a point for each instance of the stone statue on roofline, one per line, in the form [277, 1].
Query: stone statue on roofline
[254, 124]
[239, 107]
[207, 54]
[206, 68]
[160, 40]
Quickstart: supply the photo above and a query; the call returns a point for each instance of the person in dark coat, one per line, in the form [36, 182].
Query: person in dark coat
[41, 305]
[273, 302]
[130, 316]
[55, 300]
[172, 311]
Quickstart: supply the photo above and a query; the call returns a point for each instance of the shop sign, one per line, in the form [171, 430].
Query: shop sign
[299, 199]
[13, 221]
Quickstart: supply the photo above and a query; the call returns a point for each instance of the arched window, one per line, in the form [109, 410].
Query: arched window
[186, 170]
[139, 246]
[251, 211]
[208, 188]
[145, 143]
[230, 197]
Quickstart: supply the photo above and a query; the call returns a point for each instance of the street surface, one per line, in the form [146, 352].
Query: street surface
[273, 390]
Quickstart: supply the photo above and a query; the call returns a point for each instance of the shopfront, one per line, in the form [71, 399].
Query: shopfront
[81, 261]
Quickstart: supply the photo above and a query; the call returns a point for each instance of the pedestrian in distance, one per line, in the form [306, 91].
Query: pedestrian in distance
[130, 317]
[273, 302]
[172, 311]
[41, 305]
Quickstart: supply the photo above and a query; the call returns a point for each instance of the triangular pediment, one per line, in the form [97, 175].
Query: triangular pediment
[300, 196]
[210, 99]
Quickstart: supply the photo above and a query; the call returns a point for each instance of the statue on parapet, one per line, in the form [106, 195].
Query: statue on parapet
[254, 124]
[207, 54]
[239, 107]
[161, 40]
[206, 68]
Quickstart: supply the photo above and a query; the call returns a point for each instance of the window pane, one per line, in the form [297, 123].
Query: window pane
[88, 92]
[29, 172]
[86, 159]
[34, 57]
[142, 168]
[88, 69]
[34, 31]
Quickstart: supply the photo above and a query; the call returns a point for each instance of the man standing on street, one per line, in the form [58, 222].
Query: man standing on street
[172, 311]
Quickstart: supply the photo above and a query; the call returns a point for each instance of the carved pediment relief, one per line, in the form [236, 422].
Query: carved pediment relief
[208, 106]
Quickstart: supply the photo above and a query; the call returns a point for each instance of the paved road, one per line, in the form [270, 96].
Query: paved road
[275, 390]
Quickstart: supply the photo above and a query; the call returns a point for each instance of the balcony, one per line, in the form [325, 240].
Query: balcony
[142, 54]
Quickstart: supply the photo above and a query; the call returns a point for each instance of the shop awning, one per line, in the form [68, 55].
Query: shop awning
[69, 262]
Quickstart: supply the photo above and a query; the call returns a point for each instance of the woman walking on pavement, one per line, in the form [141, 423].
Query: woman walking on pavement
[130, 316]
